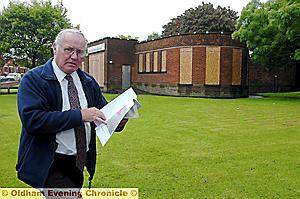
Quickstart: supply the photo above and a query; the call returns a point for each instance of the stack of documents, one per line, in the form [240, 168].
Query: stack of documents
[124, 106]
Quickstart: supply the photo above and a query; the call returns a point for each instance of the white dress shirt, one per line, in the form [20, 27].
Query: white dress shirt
[66, 139]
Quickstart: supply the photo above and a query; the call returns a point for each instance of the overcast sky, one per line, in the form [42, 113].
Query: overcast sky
[138, 18]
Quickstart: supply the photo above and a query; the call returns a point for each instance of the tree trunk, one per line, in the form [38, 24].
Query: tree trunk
[33, 61]
[297, 76]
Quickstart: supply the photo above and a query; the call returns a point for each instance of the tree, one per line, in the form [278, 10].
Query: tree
[154, 35]
[204, 18]
[1, 62]
[28, 30]
[271, 31]
[127, 37]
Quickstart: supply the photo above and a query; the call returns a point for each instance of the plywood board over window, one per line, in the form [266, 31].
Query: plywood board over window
[212, 72]
[163, 61]
[141, 62]
[83, 67]
[148, 62]
[185, 66]
[155, 61]
[237, 56]
[96, 67]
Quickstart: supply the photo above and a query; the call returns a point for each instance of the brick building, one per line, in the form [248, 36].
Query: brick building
[277, 79]
[110, 61]
[9, 67]
[202, 65]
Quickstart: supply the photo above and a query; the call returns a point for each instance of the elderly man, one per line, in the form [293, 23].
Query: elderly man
[57, 104]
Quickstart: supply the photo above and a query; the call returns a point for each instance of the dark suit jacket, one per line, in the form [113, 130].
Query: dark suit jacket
[39, 106]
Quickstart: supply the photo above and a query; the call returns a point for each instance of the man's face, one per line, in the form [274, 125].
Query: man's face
[69, 53]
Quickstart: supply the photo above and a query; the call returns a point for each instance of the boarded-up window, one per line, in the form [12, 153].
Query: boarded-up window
[141, 62]
[163, 61]
[237, 66]
[148, 56]
[185, 66]
[83, 66]
[96, 67]
[155, 61]
[212, 72]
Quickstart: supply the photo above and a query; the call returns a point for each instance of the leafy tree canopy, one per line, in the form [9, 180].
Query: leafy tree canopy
[28, 30]
[271, 31]
[202, 19]
[154, 35]
[127, 37]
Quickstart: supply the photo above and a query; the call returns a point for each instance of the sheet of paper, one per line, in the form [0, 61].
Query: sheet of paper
[125, 104]
[133, 113]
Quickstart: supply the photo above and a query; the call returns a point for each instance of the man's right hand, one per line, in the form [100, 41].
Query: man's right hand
[92, 114]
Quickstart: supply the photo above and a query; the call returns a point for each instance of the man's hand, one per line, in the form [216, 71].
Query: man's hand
[92, 114]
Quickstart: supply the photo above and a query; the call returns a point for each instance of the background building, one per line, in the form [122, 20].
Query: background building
[262, 79]
[200, 65]
[9, 67]
[110, 61]
[204, 65]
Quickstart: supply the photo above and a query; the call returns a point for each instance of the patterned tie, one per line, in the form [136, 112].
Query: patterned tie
[79, 130]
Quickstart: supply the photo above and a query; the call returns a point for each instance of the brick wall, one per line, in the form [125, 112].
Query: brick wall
[256, 78]
[152, 79]
[262, 79]
[118, 52]
[121, 51]
[199, 54]
[226, 66]
[168, 83]
[170, 77]
[189, 40]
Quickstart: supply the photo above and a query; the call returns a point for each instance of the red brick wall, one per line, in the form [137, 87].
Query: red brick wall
[189, 40]
[199, 62]
[199, 43]
[262, 79]
[159, 82]
[171, 76]
[120, 52]
[173, 65]
[124, 52]
[226, 66]
[114, 76]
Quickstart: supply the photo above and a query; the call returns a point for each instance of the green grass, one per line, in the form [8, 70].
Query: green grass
[191, 148]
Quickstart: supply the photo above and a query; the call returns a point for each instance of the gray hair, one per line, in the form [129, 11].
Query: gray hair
[62, 33]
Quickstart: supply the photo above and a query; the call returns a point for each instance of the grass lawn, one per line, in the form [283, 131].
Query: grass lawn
[191, 148]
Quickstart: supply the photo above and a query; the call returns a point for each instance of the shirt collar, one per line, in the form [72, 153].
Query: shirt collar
[60, 75]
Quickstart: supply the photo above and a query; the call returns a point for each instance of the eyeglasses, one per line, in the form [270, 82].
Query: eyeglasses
[70, 51]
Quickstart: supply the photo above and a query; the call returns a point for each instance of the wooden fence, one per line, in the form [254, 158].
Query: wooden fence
[8, 87]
